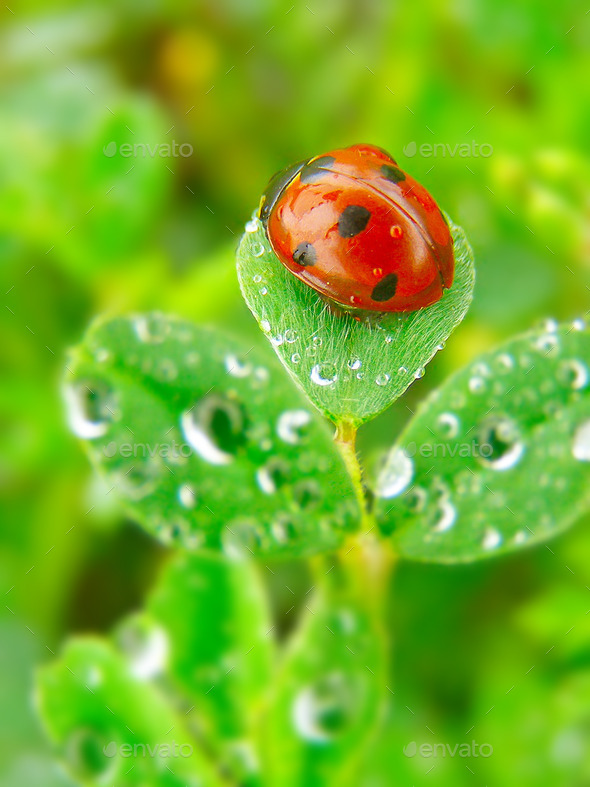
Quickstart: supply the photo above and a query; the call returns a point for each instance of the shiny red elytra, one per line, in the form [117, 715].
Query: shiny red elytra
[360, 231]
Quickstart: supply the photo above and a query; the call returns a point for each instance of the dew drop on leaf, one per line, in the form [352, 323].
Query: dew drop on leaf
[491, 539]
[295, 358]
[91, 407]
[444, 516]
[573, 374]
[187, 495]
[354, 364]
[324, 374]
[448, 424]
[152, 328]
[382, 379]
[214, 428]
[395, 475]
[500, 444]
[272, 476]
[323, 710]
[257, 249]
[237, 368]
[90, 756]
[290, 425]
[144, 644]
[581, 444]
[291, 336]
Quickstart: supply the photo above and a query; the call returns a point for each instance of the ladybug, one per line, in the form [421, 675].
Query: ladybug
[359, 230]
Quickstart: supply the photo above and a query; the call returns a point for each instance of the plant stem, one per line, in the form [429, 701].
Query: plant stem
[366, 561]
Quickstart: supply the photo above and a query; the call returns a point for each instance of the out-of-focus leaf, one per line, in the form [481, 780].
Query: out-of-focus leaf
[328, 698]
[498, 457]
[111, 727]
[220, 647]
[350, 369]
[205, 441]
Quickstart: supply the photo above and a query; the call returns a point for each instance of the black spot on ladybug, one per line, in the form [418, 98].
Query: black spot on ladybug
[313, 171]
[393, 174]
[353, 219]
[305, 255]
[385, 289]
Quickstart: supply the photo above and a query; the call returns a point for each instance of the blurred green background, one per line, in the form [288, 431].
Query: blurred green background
[86, 228]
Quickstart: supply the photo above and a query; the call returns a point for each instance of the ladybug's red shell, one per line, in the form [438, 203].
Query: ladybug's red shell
[357, 229]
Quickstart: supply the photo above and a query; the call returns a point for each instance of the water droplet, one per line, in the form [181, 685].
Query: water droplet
[257, 249]
[388, 339]
[581, 444]
[354, 363]
[144, 644]
[272, 476]
[573, 374]
[290, 425]
[420, 372]
[241, 539]
[578, 325]
[277, 340]
[291, 335]
[187, 496]
[307, 493]
[415, 499]
[140, 479]
[264, 291]
[477, 384]
[448, 424]
[402, 370]
[491, 539]
[151, 328]
[395, 475]
[91, 407]
[547, 344]
[295, 358]
[214, 428]
[283, 529]
[317, 341]
[237, 368]
[324, 374]
[90, 756]
[323, 710]
[504, 362]
[382, 379]
[500, 446]
[166, 370]
[257, 278]
[445, 516]
[265, 326]
[252, 225]
[550, 325]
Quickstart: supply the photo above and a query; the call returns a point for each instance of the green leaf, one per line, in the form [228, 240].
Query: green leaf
[498, 457]
[328, 699]
[350, 369]
[111, 727]
[205, 441]
[220, 646]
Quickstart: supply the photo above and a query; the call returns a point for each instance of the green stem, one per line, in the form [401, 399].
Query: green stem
[366, 561]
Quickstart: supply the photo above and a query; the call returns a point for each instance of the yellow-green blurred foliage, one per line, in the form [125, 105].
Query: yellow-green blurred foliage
[85, 228]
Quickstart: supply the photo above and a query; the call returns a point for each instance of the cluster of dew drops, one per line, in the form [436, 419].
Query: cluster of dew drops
[498, 443]
[93, 407]
[322, 374]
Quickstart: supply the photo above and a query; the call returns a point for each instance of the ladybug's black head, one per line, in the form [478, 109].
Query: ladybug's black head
[276, 185]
